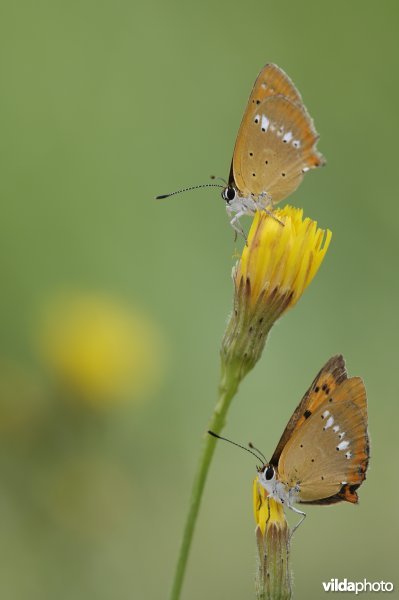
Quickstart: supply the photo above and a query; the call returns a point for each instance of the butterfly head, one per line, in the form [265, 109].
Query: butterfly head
[229, 194]
[267, 476]
[267, 472]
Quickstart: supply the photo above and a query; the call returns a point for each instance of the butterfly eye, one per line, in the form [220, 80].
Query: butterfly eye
[269, 473]
[229, 194]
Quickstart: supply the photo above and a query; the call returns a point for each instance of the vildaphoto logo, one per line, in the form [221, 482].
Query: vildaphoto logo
[335, 585]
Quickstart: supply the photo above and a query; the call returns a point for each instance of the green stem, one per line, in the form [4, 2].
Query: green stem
[242, 346]
[230, 380]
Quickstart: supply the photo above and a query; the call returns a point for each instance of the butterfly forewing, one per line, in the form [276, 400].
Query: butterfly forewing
[327, 453]
[272, 81]
[324, 385]
[276, 141]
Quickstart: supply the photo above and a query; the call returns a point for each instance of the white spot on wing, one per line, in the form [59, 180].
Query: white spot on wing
[325, 414]
[343, 445]
[296, 144]
[330, 421]
[305, 169]
[287, 137]
[265, 122]
[336, 428]
[257, 118]
[341, 435]
[348, 455]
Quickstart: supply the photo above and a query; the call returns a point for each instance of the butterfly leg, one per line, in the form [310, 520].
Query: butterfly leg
[271, 214]
[268, 512]
[298, 512]
[265, 203]
[235, 223]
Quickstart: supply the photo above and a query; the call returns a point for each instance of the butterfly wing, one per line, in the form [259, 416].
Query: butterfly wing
[275, 147]
[272, 81]
[326, 381]
[327, 454]
[276, 140]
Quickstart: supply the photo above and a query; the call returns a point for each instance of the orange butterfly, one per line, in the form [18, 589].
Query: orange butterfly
[323, 454]
[275, 146]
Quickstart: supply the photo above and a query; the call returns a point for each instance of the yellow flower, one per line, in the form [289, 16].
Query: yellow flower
[277, 264]
[99, 350]
[281, 259]
[267, 511]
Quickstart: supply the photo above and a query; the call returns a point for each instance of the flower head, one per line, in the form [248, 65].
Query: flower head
[281, 257]
[267, 511]
[273, 575]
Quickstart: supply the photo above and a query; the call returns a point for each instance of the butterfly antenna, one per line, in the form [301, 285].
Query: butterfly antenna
[194, 187]
[219, 179]
[238, 445]
[257, 450]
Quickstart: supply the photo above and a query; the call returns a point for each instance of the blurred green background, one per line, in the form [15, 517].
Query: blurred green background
[113, 305]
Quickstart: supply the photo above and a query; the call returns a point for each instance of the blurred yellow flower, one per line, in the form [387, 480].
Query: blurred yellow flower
[99, 350]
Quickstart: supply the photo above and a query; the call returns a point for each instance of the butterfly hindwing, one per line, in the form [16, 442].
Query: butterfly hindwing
[276, 142]
[327, 454]
[274, 149]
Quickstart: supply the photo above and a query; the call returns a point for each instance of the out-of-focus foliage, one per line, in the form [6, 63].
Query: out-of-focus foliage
[103, 106]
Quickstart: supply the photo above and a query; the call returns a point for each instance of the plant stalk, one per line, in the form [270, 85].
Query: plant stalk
[230, 379]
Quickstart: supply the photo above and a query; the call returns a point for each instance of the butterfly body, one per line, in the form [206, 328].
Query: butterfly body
[322, 456]
[275, 146]
[281, 491]
[246, 205]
